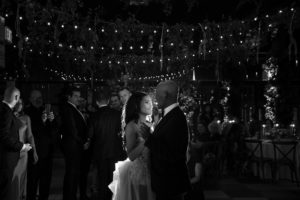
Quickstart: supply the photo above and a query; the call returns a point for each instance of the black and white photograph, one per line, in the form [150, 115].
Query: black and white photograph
[149, 99]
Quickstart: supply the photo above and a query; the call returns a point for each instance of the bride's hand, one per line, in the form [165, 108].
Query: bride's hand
[140, 140]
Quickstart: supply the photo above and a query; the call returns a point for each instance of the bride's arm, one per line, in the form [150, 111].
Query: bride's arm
[30, 139]
[133, 147]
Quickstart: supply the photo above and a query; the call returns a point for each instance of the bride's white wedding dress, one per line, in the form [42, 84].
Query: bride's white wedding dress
[131, 179]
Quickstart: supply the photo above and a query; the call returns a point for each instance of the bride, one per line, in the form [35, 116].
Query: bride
[131, 178]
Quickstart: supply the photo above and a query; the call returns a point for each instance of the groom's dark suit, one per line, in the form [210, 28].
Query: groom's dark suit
[168, 146]
[74, 135]
[10, 148]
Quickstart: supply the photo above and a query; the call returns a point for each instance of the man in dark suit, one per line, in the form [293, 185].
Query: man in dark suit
[10, 146]
[74, 143]
[43, 128]
[104, 131]
[168, 146]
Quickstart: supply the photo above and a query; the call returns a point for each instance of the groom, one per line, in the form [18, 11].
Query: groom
[168, 146]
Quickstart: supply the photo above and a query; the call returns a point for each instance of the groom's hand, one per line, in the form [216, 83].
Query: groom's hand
[145, 130]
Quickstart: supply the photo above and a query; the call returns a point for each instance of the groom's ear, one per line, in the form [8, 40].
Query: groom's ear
[16, 97]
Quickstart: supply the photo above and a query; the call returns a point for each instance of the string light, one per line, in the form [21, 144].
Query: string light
[210, 50]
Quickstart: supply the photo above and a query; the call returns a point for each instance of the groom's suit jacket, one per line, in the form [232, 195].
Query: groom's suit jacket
[168, 146]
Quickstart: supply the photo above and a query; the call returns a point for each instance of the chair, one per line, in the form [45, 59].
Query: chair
[255, 155]
[285, 155]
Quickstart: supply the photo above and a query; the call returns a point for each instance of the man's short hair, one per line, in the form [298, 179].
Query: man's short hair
[114, 94]
[102, 95]
[70, 90]
[125, 88]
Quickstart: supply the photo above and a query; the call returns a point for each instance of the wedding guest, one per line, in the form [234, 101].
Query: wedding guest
[254, 126]
[268, 127]
[10, 146]
[104, 131]
[202, 132]
[195, 168]
[115, 102]
[74, 143]
[124, 95]
[214, 129]
[44, 128]
[235, 146]
[207, 115]
[19, 180]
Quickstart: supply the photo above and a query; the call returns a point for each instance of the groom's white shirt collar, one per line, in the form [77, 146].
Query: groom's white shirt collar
[9, 105]
[169, 108]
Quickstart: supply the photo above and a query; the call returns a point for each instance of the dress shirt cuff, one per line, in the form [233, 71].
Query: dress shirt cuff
[23, 148]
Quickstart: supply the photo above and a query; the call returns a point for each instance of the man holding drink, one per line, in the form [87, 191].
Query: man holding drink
[43, 129]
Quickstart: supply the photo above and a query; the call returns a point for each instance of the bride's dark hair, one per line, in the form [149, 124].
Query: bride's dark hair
[131, 109]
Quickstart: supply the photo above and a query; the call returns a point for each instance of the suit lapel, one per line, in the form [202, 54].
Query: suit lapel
[164, 120]
[78, 112]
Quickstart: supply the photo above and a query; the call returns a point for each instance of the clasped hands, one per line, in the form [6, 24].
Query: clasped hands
[146, 129]
[49, 116]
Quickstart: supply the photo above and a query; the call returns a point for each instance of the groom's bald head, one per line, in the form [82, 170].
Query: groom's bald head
[166, 93]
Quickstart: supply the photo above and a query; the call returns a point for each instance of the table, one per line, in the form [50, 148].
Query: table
[268, 152]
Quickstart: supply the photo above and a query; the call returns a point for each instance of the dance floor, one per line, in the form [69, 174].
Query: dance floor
[226, 189]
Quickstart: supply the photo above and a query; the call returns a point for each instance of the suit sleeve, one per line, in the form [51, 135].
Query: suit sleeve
[70, 124]
[6, 139]
[91, 128]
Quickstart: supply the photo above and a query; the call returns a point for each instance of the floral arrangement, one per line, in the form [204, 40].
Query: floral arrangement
[271, 94]
[270, 69]
[187, 103]
[224, 100]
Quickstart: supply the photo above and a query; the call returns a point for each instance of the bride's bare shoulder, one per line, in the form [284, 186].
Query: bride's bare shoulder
[131, 127]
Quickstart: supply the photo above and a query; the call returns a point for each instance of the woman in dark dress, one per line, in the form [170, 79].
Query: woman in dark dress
[195, 171]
